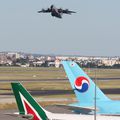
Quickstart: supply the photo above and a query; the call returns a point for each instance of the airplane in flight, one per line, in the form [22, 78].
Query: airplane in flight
[55, 12]
[31, 110]
[84, 89]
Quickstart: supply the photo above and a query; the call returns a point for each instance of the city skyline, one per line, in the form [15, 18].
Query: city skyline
[37, 60]
[92, 31]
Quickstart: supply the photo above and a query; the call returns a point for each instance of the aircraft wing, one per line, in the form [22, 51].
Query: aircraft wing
[44, 11]
[66, 11]
[82, 110]
[28, 116]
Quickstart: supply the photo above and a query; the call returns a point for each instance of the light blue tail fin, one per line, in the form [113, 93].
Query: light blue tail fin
[82, 85]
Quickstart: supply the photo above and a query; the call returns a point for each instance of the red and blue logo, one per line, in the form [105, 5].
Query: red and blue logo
[82, 84]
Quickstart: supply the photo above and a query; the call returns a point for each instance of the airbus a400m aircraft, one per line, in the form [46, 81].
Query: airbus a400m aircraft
[55, 12]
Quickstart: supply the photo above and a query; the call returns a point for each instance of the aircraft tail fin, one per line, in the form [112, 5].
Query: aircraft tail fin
[27, 106]
[82, 85]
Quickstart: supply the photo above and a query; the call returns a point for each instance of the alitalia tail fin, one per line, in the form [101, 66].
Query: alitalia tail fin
[27, 106]
[82, 85]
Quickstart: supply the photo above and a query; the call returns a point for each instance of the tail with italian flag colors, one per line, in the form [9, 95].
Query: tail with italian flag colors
[28, 107]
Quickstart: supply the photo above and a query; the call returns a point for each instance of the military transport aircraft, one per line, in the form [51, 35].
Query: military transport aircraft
[55, 12]
[31, 110]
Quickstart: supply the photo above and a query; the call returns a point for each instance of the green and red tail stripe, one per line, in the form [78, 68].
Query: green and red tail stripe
[26, 104]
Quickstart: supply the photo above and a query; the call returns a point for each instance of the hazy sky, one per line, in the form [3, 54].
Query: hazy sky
[93, 30]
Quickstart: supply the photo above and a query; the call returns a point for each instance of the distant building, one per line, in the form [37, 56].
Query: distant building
[51, 64]
[38, 63]
[57, 63]
[14, 54]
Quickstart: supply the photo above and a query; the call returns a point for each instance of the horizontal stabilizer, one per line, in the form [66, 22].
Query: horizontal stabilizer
[83, 110]
[28, 116]
[110, 114]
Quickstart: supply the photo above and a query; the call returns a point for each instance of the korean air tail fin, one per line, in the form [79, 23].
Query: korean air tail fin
[82, 85]
[28, 107]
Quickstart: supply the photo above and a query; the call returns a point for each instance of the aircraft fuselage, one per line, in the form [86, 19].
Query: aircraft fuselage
[55, 13]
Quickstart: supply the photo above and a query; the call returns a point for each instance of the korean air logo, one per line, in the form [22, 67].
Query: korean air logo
[82, 84]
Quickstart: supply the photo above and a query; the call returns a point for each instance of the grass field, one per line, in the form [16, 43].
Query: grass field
[40, 85]
[43, 104]
[18, 73]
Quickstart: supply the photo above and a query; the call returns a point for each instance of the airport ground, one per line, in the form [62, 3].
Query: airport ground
[50, 86]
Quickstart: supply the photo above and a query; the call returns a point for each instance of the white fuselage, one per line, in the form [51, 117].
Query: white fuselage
[53, 116]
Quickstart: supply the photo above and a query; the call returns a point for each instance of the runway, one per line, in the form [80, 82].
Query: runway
[62, 92]
[53, 80]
